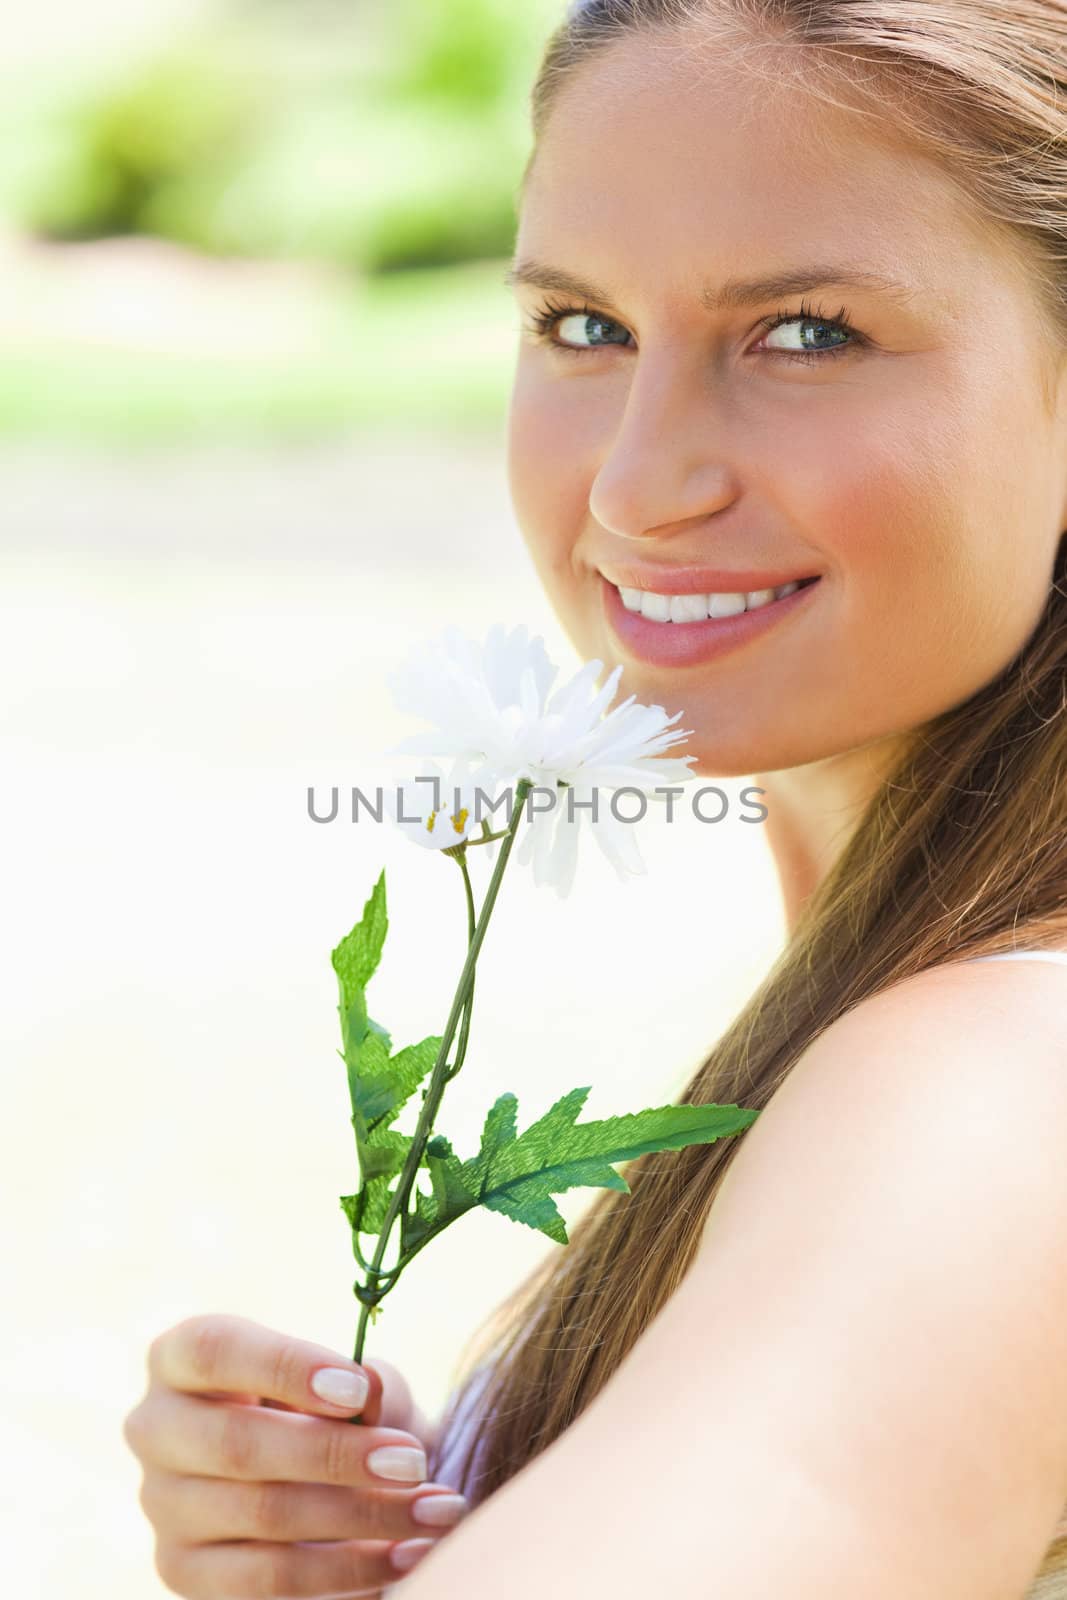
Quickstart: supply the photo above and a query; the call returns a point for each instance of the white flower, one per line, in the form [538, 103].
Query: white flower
[488, 704]
[435, 814]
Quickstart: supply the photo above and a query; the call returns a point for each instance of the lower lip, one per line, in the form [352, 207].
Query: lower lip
[685, 644]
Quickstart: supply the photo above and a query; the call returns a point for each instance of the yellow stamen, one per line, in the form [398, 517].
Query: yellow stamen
[459, 821]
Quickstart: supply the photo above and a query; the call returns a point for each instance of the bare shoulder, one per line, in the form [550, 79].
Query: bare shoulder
[955, 1042]
[887, 1256]
[930, 1080]
[860, 1384]
[973, 1007]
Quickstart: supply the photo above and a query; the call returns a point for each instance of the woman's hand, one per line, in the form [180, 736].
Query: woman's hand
[246, 1467]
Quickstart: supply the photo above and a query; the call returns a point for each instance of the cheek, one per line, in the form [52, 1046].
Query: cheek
[947, 501]
[922, 513]
[549, 485]
[901, 504]
[872, 487]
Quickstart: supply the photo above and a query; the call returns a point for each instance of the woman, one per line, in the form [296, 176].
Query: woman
[794, 281]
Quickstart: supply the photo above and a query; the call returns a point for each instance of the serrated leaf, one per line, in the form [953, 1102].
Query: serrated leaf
[450, 1197]
[356, 958]
[383, 1152]
[369, 1080]
[410, 1068]
[379, 1194]
[383, 1033]
[381, 1085]
[450, 1193]
[518, 1176]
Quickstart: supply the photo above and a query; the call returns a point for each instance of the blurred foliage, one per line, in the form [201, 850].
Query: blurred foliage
[378, 136]
[408, 350]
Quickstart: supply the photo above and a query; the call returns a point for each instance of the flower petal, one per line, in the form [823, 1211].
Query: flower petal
[436, 815]
[489, 705]
[618, 843]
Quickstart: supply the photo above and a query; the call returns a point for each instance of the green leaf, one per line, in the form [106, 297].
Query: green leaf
[355, 961]
[518, 1176]
[379, 1190]
[450, 1199]
[379, 1084]
[356, 958]
[376, 1027]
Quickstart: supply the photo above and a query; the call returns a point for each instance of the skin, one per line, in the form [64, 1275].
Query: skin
[923, 474]
[245, 1468]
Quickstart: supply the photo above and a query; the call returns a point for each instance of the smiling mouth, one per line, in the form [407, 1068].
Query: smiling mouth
[684, 608]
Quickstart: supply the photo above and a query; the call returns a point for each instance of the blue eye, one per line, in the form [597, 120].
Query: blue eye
[814, 319]
[544, 323]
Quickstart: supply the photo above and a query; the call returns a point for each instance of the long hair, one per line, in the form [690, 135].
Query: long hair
[965, 843]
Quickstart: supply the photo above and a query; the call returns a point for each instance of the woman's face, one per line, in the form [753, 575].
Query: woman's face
[916, 465]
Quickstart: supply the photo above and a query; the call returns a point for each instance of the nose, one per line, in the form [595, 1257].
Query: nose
[666, 464]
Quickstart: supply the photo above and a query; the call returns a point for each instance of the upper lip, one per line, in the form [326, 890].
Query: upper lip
[699, 580]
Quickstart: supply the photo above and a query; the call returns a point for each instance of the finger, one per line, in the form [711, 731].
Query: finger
[221, 1354]
[295, 1571]
[396, 1403]
[198, 1510]
[216, 1438]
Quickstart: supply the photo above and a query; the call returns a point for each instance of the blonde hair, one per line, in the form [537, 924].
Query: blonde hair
[965, 844]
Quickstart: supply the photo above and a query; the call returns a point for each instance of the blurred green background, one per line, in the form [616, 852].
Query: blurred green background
[255, 356]
[261, 218]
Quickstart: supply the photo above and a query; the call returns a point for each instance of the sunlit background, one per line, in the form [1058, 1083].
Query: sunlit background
[255, 354]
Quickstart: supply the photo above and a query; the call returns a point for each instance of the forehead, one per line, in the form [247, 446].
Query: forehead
[676, 165]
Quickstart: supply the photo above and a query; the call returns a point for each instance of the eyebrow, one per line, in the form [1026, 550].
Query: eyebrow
[728, 296]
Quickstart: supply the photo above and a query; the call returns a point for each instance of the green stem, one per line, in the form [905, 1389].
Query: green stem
[461, 1048]
[361, 1202]
[440, 1075]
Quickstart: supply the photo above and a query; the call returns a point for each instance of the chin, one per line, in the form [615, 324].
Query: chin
[739, 759]
[720, 755]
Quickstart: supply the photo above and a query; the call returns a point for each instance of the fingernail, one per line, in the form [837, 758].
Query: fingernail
[439, 1510]
[404, 1556]
[398, 1462]
[341, 1388]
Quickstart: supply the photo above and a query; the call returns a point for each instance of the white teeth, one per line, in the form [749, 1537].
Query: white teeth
[699, 607]
[689, 608]
[656, 607]
[725, 605]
